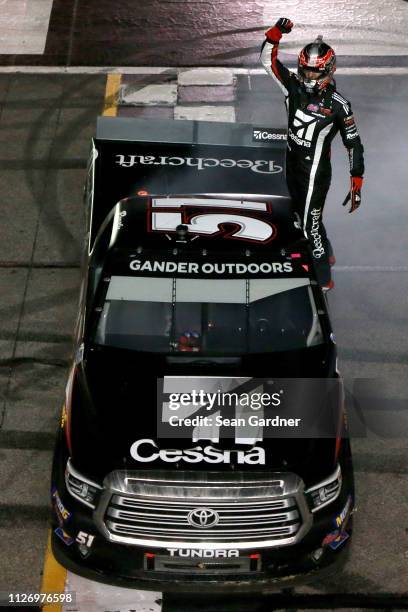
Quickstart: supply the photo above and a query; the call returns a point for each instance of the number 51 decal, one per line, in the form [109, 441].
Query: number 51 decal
[84, 538]
[229, 218]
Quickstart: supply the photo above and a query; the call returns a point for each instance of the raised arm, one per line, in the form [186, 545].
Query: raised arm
[269, 54]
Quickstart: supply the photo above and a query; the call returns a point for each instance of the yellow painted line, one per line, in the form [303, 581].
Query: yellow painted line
[54, 576]
[110, 108]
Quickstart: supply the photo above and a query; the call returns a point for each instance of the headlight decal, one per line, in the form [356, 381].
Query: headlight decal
[80, 487]
[325, 492]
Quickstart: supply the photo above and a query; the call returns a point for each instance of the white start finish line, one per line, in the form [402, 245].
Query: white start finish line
[97, 597]
[24, 26]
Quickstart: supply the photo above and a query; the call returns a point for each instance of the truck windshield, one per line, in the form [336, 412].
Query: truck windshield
[208, 316]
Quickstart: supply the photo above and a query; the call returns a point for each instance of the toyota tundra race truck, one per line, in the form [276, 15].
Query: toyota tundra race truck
[198, 286]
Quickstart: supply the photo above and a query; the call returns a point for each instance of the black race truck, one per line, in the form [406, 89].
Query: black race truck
[195, 269]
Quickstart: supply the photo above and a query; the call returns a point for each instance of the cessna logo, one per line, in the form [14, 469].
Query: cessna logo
[146, 451]
[266, 135]
[203, 518]
[260, 166]
[305, 125]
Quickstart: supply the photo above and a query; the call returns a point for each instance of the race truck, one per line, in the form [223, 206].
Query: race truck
[198, 288]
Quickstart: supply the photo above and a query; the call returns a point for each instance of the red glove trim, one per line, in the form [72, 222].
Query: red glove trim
[356, 183]
[273, 35]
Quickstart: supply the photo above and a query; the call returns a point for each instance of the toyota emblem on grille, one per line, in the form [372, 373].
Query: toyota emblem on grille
[203, 517]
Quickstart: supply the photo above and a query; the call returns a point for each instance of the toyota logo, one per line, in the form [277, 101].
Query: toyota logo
[203, 518]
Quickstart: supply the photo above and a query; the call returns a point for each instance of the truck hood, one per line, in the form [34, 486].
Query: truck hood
[114, 418]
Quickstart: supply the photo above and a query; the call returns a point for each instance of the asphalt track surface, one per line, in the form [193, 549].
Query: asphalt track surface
[46, 123]
[202, 32]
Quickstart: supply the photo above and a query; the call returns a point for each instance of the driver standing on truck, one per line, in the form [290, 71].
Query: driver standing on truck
[316, 112]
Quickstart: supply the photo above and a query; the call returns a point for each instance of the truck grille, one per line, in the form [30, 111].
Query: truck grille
[246, 513]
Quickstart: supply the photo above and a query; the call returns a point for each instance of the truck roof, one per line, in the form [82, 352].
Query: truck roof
[133, 157]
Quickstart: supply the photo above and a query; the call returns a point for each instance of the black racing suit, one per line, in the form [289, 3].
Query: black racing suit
[313, 121]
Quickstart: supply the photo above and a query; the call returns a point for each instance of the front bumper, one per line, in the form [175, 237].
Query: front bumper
[124, 566]
[261, 570]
